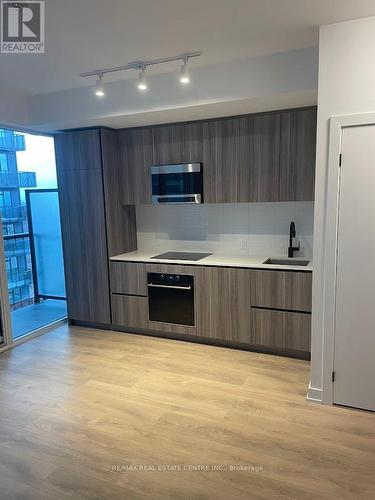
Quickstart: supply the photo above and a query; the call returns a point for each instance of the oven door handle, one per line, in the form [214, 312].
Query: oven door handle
[173, 287]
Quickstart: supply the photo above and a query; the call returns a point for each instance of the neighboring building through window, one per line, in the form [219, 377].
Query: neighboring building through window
[3, 162]
[14, 220]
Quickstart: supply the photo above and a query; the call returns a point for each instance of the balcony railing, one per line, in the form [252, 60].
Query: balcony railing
[9, 141]
[17, 180]
[19, 271]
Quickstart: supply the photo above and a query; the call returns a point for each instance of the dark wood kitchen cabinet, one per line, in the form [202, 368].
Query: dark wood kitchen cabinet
[79, 170]
[161, 145]
[281, 331]
[129, 311]
[224, 304]
[281, 310]
[297, 155]
[265, 164]
[263, 157]
[178, 143]
[93, 223]
[234, 180]
[289, 290]
[128, 278]
[136, 157]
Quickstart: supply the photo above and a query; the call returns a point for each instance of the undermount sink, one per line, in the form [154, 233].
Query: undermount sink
[287, 262]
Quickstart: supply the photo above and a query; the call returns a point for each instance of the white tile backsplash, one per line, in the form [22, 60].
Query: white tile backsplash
[241, 229]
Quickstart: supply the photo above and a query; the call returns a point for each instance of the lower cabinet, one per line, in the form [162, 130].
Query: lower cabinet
[265, 310]
[129, 311]
[280, 330]
[224, 304]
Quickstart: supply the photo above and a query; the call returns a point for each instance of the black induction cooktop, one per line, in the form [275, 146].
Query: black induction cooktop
[181, 256]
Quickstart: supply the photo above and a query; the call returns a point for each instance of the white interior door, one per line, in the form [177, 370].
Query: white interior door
[354, 351]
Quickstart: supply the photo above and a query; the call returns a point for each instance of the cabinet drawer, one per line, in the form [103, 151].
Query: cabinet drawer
[130, 311]
[281, 329]
[281, 290]
[128, 278]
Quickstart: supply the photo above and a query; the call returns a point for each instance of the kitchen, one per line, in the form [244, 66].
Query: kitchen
[202, 252]
[231, 192]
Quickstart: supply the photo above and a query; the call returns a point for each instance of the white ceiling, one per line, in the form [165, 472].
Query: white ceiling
[87, 34]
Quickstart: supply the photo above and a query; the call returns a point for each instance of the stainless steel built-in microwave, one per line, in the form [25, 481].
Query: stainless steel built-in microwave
[177, 184]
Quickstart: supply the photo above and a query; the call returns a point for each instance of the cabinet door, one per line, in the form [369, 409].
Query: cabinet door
[297, 155]
[129, 311]
[128, 278]
[281, 330]
[234, 177]
[78, 150]
[281, 290]
[181, 143]
[120, 219]
[224, 304]
[83, 225]
[266, 160]
[136, 145]
[169, 145]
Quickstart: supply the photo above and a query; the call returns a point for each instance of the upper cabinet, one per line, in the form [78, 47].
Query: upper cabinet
[252, 158]
[297, 155]
[230, 147]
[265, 161]
[136, 157]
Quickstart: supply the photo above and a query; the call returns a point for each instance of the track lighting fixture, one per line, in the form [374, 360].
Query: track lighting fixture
[142, 82]
[141, 66]
[99, 86]
[184, 75]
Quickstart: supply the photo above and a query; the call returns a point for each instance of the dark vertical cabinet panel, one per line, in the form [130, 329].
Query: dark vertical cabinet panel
[170, 144]
[297, 155]
[193, 137]
[136, 160]
[78, 159]
[181, 143]
[120, 219]
[266, 159]
[78, 150]
[224, 304]
[234, 147]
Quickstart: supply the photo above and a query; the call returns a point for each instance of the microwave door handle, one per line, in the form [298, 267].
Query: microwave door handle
[173, 287]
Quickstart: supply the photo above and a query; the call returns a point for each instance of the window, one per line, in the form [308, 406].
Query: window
[3, 162]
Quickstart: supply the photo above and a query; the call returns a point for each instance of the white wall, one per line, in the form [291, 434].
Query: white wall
[346, 85]
[257, 229]
[14, 109]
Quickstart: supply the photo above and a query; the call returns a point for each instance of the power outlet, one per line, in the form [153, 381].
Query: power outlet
[243, 244]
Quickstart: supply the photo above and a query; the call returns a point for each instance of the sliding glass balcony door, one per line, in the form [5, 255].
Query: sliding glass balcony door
[32, 251]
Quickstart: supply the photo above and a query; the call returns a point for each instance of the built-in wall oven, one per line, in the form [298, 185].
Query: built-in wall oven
[171, 298]
[177, 184]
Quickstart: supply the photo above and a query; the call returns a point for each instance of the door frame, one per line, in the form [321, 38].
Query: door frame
[336, 126]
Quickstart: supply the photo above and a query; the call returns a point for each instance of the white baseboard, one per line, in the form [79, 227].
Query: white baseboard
[314, 394]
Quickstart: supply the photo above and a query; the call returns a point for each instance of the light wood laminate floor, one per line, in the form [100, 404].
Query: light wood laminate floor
[81, 411]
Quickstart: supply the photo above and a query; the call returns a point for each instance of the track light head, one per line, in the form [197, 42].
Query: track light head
[99, 86]
[184, 74]
[142, 82]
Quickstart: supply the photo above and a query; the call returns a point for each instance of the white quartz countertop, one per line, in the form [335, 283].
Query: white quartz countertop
[216, 260]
